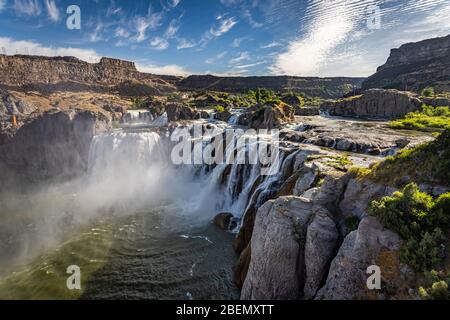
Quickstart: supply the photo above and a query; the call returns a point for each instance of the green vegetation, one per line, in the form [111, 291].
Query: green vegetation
[219, 109]
[352, 223]
[428, 163]
[436, 286]
[428, 92]
[420, 221]
[138, 103]
[430, 119]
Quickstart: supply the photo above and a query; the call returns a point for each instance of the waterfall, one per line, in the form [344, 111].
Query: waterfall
[134, 170]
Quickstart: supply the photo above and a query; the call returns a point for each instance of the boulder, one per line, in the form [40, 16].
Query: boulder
[178, 112]
[277, 246]
[370, 244]
[269, 116]
[224, 220]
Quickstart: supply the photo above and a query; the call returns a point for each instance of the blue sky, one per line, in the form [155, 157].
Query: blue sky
[226, 37]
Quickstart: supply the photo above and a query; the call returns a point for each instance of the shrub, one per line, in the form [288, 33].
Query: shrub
[428, 92]
[219, 109]
[436, 286]
[419, 220]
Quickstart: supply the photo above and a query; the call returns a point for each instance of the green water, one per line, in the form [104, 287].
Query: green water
[149, 255]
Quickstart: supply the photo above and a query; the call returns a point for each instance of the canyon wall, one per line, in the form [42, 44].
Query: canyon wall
[415, 66]
[312, 86]
[49, 74]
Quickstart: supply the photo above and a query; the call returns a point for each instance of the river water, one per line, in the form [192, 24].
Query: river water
[137, 227]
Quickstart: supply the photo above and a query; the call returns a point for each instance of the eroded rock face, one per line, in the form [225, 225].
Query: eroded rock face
[51, 74]
[267, 116]
[374, 103]
[311, 86]
[415, 66]
[359, 194]
[54, 145]
[370, 245]
[275, 250]
[177, 112]
[321, 242]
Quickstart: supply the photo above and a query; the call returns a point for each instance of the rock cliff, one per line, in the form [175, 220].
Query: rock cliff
[415, 66]
[312, 86]
[50, 74]
[374, 103]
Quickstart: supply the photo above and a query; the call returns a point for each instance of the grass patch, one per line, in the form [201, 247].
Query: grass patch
[429, 119]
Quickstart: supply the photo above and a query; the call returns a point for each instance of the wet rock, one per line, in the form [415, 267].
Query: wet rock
[224, 221]
[177, 112]
[223, 116]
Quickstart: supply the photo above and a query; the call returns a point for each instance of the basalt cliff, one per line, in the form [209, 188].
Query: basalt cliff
[414, 66]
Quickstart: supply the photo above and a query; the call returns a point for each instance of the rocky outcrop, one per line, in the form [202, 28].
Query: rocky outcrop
[374, 103]
[51, 74]
[178, 112]
[415, 66]
[275, 250]
[269, 116]
[307, 111]
[52, 146]
[370, 244]
[312, 86]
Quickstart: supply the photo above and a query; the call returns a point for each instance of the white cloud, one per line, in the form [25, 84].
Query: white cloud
[151, 21]
[216, 58]
[224, 26]
[171, 69]
[337, 41]
[159, 43]
[185, 44]
[172, 29]
[52, 9]
[113, 10]
[243, 56]
[121, 33]
[271, 45]
[31, 47]
[237, 42]
[248, 16]
[96, 35]
[27, 7]
[2, 5]
[173, 3]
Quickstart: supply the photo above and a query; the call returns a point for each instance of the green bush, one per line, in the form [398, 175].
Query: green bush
[428, 92]
[436, 286]
[219, 109]
[419, 220]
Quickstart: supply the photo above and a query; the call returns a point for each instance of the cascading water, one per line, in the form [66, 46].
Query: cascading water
[149, 222]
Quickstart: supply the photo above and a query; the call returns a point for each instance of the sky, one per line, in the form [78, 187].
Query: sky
[225, 37]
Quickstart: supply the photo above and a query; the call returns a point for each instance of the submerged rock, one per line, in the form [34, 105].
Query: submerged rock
[224, 221]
